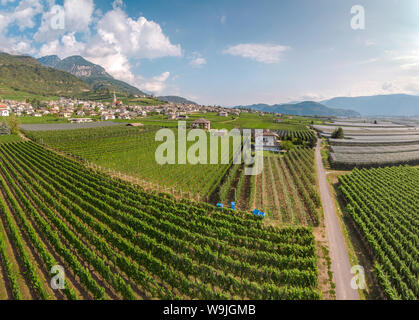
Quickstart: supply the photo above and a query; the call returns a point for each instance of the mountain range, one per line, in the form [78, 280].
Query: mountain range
[176, 99]
[95, 75]
[305, 108]
[76, 77]
[25, 74]
[379, 105]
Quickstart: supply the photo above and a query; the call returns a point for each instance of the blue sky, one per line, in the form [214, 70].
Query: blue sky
[228, 52]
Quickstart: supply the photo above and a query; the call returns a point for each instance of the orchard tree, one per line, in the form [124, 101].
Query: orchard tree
[13, 123]
[338, 134]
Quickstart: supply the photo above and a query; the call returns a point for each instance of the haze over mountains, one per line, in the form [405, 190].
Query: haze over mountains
[380, 105]
[306, 108]
[368, 106]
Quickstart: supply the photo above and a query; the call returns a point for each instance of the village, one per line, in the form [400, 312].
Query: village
[88, 111]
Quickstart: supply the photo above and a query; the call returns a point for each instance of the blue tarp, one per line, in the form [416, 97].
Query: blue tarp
[257, 212]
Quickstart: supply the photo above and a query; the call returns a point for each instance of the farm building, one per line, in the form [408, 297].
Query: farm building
[65, 114]
[202, 123]
[267, 141]
[4, 110]
[223, 114]
[107, 116]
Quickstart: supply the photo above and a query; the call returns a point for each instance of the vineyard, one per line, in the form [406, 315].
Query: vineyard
[132, 151]
[384, 205]
[286, 190]
[303, 134]
[116, 241]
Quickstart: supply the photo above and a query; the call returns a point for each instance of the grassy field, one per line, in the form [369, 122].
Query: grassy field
[39, 120]
[132, 151]
[9, 138]
[245, 120]
[12, 94]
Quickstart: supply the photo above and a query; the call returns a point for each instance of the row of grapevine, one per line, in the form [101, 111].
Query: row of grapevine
[287, 188]
[140, 245]
[132, 151]
[384, 205]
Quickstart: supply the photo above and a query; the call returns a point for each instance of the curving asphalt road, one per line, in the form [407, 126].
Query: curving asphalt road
[341, 267]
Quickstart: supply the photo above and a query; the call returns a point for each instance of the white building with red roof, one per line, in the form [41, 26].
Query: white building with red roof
[4, 110]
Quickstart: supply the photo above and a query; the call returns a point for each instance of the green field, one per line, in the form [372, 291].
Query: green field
[13, 94]
[9, 138]
[245, 120]
[285, 190]
[39, 120]
[383, 203]
[132, 151]
[116, 241]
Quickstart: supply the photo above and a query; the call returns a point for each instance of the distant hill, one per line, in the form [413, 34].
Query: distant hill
[95, 75]
[49, 61]
[176, 99]
[306, 108]
[26, 74]
[380, 105]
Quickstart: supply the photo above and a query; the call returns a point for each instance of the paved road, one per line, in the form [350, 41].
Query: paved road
[341, 267]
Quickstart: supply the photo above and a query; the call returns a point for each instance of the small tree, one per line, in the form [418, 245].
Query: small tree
[13, 124]
[338, 134]
[4, 129]
[287, 145]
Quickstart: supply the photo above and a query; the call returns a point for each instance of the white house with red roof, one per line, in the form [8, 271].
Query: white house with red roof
[4, 110]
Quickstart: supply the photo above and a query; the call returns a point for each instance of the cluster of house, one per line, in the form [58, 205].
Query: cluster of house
[75, 110]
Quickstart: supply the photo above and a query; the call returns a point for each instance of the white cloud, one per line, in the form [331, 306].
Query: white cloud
[196, 60]
[78, 14]
[25, 13]
[155, 85]
[77, 17]
[64, 47]
[223, 19]
[113, 61]
[16, 44]
[112, 39]
[135, 38]
[4, 2]
[266, 53]
[117, 4]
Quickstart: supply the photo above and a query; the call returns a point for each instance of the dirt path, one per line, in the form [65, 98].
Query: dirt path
[341, 267]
